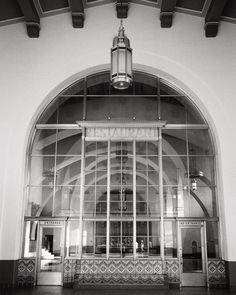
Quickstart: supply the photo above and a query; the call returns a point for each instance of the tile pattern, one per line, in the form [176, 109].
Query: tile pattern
[173, 271]
[216, 273]
[119, 272]
[26, 272]
[69, 269]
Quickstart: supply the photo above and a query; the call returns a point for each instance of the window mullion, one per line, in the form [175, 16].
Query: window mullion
[54, 176]
[161, 194]
[134, 198]
[108, 196]
[81, 191]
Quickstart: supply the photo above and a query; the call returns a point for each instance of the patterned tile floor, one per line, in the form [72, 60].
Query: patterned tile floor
[60, 291]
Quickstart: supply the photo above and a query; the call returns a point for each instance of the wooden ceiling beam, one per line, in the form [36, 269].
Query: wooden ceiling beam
[167, 12]
[77, 13]
[32, 18]
[122, 7]
[213, 16]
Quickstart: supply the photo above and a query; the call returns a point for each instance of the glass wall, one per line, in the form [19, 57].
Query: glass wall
[121, 198]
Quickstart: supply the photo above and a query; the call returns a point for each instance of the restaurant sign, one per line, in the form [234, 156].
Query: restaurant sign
[121, 133]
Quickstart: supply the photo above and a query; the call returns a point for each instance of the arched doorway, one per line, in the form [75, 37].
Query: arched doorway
[126, 175]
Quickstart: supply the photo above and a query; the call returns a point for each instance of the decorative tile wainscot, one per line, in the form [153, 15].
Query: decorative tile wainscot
[216, 273]
[26, 272]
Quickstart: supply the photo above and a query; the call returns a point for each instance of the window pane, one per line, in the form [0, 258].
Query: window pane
[88, 239]
[154, 238]
[40, 201]
[152, 164]
[90, 163]
[98, 84]
[101, 200]
[193, 114]
[102, 163]
[70, 110]
[140, 108]
[174, 170]
[75, 88]
[174, 142]
[212, 239]
[89, 201]
[90, 148]
[102, 148]
[115, 239]
[170, 239]
[31, 230]
[101, 238]
[69, 142]
[153, 201]
[50, 116]
[200, 202]
[199, 142]
[42, 170]
[173, 110]
[101, 178]
[202, 169]
[115, 247]
[141, 200]
[67, 201]
[204, 204]
[152, 148]
[127, 238]
[72, 243]
[141, 148]
[44, 142]
[141, 238]
[173, 201]
[68, 170]
[115, 228]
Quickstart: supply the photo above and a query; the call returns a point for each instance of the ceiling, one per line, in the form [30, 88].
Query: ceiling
[31, 11]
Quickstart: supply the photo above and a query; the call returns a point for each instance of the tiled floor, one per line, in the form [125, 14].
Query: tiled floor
[65, 291]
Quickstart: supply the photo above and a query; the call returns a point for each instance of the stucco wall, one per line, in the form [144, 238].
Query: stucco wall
[33, 71]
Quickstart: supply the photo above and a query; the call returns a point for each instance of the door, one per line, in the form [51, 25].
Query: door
[50, 253]
[192, 253]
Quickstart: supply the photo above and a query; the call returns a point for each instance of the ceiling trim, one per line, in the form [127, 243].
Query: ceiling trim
[38, 7]
[188, 11]
[11, 21]
[122, 7]
[206, 7]
[77, 13]
[31, 16]
[55, 12]
[167, 12]
[104, 2]
[227, 19]
[213, 17]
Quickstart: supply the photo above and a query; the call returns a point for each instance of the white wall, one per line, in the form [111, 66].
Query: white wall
[32, 71]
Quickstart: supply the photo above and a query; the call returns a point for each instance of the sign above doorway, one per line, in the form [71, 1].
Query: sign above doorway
[97, 131]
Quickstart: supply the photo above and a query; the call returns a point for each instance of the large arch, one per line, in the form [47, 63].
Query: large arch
[65, 182]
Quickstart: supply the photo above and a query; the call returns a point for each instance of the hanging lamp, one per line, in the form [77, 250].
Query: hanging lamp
[121, 61]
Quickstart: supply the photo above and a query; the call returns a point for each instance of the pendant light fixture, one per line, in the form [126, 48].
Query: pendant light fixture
[121, 61]
[194, 173]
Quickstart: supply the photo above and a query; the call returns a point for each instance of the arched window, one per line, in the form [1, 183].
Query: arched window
[117, 194]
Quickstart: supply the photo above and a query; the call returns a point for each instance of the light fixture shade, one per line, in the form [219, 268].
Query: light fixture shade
[121, 61]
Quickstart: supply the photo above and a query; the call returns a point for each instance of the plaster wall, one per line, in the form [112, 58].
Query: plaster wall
[33, 71]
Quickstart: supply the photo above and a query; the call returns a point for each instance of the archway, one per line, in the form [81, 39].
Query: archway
[149, 143]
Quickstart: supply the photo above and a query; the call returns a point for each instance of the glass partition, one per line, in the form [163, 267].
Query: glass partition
[118, 191]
